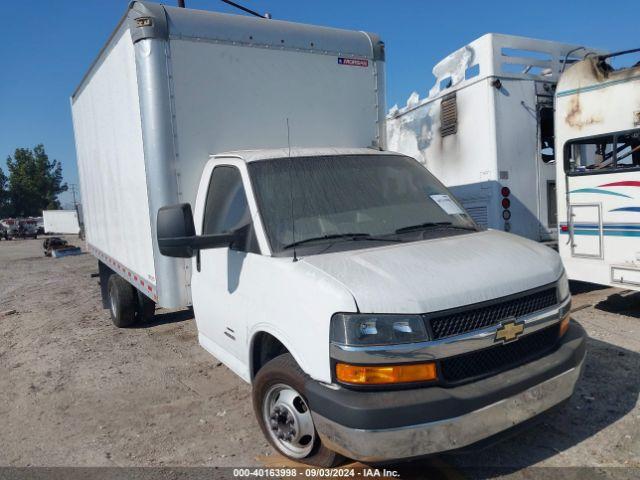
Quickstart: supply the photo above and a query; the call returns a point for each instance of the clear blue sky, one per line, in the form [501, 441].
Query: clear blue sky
[47, 45]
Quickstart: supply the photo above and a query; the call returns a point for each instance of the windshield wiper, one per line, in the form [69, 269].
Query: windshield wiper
[342, 236]
[426, 225]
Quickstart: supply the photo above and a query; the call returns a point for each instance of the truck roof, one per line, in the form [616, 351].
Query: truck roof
[267, 154]
[152, 20]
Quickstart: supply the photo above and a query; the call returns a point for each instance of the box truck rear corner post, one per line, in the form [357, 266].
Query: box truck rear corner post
[237, 165]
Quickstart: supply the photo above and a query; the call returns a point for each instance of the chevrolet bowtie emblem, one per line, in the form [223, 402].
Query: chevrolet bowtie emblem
[508, 331]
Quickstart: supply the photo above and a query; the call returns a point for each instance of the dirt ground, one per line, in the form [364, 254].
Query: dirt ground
[76, 391]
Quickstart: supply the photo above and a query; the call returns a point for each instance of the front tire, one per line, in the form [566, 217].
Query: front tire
[122, 301]
[284, 415]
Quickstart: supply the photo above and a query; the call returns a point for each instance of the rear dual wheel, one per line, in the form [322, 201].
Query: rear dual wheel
[284, 415]
[126, 304]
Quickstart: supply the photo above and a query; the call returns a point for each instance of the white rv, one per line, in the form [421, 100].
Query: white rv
[486, 130]
[598, 138]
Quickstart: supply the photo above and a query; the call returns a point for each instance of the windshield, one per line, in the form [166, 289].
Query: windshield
[357, 197]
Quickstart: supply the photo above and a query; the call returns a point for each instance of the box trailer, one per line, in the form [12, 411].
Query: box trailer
[486, 130]
[238, 165]
[61, 221]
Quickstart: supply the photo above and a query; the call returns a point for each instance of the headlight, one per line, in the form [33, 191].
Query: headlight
[370, 329]
[563, 287]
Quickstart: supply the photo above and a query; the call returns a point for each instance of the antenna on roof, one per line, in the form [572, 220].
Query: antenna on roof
[293, 219]
[247, 10]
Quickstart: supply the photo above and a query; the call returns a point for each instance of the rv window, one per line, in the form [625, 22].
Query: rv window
[628, 150]
[605, 153]
[547, 149]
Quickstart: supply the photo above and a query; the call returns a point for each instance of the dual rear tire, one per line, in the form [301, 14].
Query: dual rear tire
[126, 304]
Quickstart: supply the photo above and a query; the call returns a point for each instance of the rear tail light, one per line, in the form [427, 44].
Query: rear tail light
[506, 204]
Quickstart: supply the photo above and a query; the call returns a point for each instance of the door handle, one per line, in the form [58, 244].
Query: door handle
[198, 260]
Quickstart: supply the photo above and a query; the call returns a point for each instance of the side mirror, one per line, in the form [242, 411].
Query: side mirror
[176, 231]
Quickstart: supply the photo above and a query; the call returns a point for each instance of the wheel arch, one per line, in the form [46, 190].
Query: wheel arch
[266, 345]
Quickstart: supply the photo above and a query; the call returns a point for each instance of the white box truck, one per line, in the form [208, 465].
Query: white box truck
[61, 221]
[486, 130]
[371, 315]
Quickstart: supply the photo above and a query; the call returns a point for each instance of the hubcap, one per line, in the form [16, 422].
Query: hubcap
[289, 421]
[113, 303]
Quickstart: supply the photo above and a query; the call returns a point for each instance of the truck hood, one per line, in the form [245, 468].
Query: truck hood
[437, 274]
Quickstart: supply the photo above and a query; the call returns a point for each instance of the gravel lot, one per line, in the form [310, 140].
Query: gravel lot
[76, 391]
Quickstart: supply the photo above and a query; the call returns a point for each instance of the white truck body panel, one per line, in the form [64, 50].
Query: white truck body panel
[108, 132]
[497, 141]
[161, 99]
[598, 209]
[61, 221]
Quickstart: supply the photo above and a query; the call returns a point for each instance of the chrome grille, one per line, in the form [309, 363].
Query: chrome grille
[450, 324]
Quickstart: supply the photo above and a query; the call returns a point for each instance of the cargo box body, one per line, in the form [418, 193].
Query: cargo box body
[174, 86]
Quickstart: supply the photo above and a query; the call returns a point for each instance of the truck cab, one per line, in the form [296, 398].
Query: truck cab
[373, 317]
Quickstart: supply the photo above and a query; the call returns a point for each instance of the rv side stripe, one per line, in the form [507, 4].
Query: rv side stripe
[597, 86]
[606, 233]
[606, 226]
[148, 288]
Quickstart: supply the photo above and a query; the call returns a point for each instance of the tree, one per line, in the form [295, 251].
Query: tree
[4, 195]
[34, 182]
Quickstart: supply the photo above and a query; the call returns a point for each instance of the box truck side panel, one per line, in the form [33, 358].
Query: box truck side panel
[108, 132]
[220, 106]
[61, 221]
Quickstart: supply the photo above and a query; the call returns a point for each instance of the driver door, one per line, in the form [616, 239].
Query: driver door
[216, 286]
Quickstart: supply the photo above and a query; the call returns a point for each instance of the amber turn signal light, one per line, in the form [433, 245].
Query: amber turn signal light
[564, 325]
[385, 374]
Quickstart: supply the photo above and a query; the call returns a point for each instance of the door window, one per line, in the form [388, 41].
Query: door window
[226, 209]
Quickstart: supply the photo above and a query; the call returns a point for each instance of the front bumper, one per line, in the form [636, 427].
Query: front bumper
[386, 425]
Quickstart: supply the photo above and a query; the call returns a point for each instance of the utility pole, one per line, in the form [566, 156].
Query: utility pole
[74, 187]
[73, 192]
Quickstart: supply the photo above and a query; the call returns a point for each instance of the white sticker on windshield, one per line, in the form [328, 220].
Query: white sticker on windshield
[446, 204]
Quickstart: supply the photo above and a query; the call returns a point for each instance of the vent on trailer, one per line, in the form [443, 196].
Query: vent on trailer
[479, 213]
[448, 115]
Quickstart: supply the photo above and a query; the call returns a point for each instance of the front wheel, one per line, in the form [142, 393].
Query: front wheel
[284, 415]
